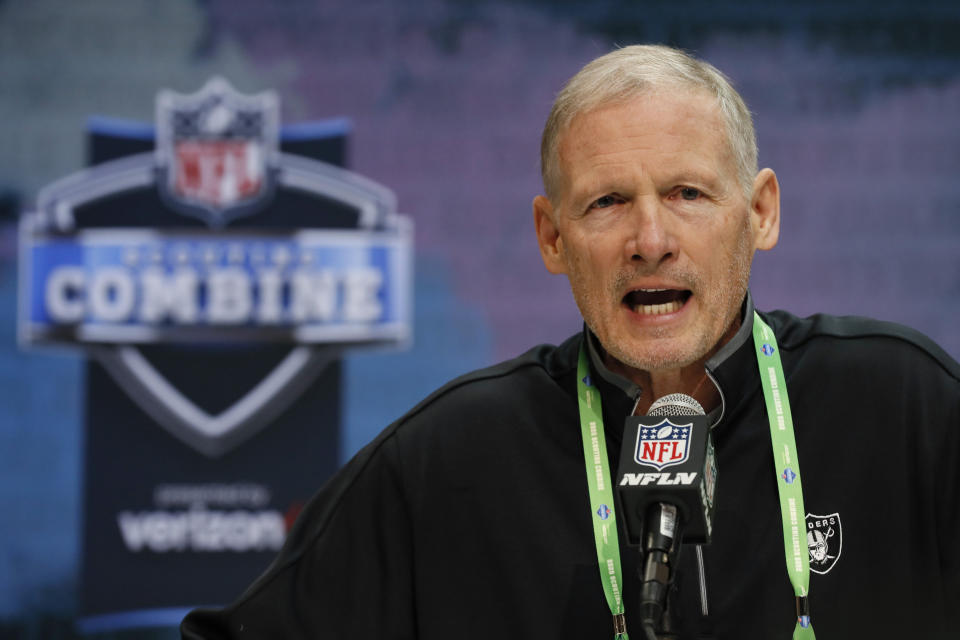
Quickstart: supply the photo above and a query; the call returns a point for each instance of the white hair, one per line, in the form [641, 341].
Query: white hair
[634, 70]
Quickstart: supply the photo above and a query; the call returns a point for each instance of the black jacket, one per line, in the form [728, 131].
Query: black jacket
[469, 517]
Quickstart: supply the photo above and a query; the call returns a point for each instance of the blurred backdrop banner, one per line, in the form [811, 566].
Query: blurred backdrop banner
[213, 267]
[855, 105]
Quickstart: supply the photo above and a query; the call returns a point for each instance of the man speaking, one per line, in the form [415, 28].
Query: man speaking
[831, 462]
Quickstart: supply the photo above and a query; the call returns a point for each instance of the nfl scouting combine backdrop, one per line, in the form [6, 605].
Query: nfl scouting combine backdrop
[213, 267]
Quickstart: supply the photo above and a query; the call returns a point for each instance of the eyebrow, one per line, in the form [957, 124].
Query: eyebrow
[581, 193]
[711, 179]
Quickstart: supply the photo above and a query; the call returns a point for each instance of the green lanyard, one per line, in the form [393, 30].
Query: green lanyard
[604, 513]
[787, 469]
[786, 462]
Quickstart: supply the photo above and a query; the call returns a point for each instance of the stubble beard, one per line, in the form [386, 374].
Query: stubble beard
[719, 308]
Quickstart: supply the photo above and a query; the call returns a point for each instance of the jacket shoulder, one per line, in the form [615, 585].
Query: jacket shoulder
[545, 361]
[375, 477]
[860, 335]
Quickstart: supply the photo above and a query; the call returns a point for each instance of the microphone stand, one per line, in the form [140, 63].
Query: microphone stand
[660, 546]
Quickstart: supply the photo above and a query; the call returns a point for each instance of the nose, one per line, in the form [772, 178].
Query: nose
[651, 239]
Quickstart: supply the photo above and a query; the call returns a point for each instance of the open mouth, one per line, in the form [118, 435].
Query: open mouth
[655, 302]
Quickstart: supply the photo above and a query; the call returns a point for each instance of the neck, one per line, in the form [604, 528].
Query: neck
[690, 379]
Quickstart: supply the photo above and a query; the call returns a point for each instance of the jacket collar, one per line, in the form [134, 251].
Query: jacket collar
[729, 369]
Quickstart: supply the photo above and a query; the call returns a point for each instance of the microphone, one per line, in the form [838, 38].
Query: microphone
[666, 482]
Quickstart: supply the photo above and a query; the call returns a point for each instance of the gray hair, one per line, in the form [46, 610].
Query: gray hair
[633, 70]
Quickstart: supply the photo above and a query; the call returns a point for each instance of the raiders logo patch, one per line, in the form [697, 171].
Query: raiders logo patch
[824, 541]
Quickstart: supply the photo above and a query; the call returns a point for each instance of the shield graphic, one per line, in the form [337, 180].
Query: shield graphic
[824, 541]
[322, 267]
[215, 149]
[663, 445]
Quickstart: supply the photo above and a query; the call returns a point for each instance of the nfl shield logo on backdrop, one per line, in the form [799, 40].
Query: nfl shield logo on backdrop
[663, 445]
[217, 151]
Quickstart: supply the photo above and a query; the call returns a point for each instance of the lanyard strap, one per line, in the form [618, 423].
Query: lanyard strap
[787, 470]
[604, 514]
[786, 465]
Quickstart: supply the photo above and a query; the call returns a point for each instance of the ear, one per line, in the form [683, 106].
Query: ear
[765, 210]
[548, 236]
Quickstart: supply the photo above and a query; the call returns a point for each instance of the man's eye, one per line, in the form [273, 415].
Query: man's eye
[689, 193]
[603, 202]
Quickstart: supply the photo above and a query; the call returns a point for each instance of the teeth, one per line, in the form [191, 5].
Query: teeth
[652, 290]
[657, 309]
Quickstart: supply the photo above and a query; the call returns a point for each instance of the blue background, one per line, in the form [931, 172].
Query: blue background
[856, 109]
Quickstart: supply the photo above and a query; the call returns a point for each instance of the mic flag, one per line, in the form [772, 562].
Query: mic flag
[668, 457]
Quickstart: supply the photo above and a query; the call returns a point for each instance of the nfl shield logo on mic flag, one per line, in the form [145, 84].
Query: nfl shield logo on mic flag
[663, 445]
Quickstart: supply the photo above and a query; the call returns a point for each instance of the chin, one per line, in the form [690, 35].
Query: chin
[658, 358]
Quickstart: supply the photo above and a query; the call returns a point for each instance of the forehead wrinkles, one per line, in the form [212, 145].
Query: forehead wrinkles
[685, 126]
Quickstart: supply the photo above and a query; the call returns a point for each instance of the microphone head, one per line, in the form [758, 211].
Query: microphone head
[676, 404]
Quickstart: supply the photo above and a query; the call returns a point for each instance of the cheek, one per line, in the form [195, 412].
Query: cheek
[734, 256]
[730, 241]
[588, 264]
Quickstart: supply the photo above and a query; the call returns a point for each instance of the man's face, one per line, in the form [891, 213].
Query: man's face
[652, 227]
